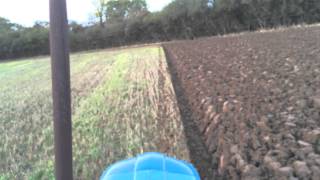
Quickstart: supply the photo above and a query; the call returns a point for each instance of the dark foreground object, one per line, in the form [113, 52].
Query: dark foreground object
[59, 49]
[254, 101]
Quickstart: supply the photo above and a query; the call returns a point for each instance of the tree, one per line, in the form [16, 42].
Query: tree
[137, 8]
[120, 10]
[129, 21]
[117, 10]
[100, 10]
[6, 26]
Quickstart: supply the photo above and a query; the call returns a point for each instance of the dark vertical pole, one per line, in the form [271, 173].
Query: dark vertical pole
[61, 89]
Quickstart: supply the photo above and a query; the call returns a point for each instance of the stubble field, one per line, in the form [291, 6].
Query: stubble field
[123, 104]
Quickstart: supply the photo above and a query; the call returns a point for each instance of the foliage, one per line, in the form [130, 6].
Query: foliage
[6, 26]
[19, 42]
[128, 21]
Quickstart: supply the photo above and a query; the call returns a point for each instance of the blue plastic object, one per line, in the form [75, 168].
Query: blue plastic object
[151, 166]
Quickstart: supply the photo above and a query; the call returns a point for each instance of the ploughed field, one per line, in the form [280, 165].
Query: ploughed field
[250, 103]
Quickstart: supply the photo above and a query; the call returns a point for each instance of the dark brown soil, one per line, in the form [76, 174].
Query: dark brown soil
[251, 103]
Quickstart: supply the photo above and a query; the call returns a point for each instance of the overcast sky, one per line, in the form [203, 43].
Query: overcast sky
[26, 12]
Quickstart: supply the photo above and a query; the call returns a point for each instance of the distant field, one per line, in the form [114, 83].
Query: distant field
[123, 104]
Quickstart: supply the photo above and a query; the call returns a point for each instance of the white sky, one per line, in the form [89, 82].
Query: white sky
[26, 12]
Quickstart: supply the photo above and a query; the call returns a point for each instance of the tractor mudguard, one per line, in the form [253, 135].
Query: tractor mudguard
[151, 166]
